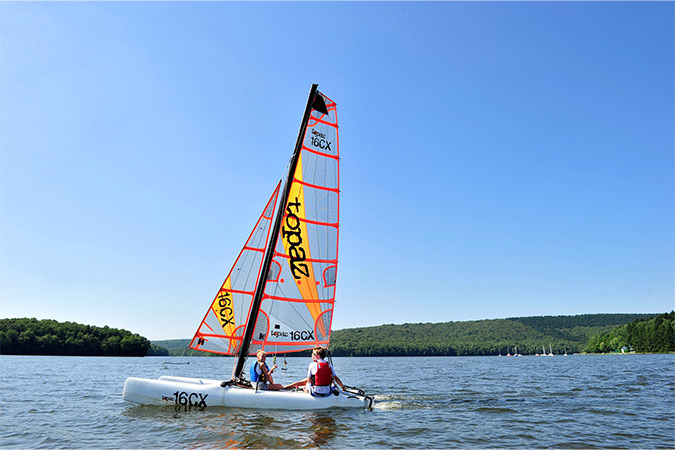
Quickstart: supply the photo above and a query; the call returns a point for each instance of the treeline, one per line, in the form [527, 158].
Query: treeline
[473, 338]
[643, 336]
[478, 338]
[49, 337]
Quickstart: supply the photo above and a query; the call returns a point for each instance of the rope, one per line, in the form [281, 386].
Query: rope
[166, 363]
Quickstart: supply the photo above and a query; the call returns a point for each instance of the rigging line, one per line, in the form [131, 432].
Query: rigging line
[292, 305]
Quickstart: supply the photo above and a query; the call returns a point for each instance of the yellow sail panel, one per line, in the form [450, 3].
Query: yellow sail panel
[223, 308]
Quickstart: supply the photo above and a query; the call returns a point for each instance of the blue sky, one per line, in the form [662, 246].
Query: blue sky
[498, 159]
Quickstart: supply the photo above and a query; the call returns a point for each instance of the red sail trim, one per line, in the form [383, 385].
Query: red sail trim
[233, 291]
[315, 222]
[319, 120]
[222, 336]
[316, 186]
[207, 326]
[300, 300]
[330, 325]
[316, 152]
[283, 255]
[253, 249]
[324, 224]
[212, 351]
[288, 344]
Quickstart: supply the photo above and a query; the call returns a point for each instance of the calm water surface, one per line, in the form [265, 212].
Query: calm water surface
[622, 401]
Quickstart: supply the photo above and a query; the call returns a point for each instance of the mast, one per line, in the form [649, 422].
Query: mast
[269, 254]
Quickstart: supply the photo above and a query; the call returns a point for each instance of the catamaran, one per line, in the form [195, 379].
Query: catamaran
[279, 295]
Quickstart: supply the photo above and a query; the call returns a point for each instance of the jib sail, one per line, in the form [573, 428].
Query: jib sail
[222, 328]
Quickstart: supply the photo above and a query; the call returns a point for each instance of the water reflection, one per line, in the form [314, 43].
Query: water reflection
[241, 428]
[323, 429]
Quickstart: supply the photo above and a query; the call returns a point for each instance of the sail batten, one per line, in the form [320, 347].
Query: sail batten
[297, 300]
[326, 155]
[323, 261]
[316, 186]
[234, 291]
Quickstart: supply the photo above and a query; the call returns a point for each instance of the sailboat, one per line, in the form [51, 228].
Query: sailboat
[280, 292]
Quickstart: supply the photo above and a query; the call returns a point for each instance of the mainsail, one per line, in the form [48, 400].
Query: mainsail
[294, 310]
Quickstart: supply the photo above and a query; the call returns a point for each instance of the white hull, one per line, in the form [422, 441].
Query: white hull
[201, 393]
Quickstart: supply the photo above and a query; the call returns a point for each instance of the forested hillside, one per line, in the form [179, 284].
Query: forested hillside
[482, 337]
[641, 335]
[49, 337]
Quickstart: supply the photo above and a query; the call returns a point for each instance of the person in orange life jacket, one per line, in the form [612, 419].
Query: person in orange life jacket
[320, 376]
[261, 374]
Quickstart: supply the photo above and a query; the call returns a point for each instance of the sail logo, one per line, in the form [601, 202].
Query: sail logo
[279, 333]
[225, 314]
[319, 140]
[292, 234]
[302, 335]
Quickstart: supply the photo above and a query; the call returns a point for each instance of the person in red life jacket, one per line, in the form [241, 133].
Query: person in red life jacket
[261, 374]
[320, 376]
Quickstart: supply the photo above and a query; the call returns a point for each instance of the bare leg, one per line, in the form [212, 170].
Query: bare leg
[297, 384]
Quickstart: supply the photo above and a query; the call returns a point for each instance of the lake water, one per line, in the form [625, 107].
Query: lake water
[612, 401]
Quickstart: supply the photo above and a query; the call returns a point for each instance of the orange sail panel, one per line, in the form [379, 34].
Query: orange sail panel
[223, 325]
[297, 307]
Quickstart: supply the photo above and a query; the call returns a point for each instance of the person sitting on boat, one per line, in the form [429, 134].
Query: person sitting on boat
[261, 374]
[320, 376]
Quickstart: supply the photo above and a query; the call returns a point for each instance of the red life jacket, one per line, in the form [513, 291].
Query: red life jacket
[323, 375]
